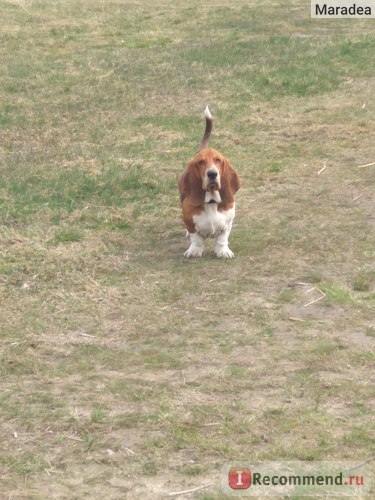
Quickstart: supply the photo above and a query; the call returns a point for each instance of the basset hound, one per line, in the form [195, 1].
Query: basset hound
[207, 189]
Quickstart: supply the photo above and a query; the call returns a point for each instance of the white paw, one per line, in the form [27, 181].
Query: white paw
[193, 251]
[224, 253]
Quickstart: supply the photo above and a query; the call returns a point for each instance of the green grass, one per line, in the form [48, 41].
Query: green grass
[126, 369]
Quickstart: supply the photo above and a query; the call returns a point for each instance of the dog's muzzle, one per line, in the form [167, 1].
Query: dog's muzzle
[212, 179]
[212, 186]
[212, 175]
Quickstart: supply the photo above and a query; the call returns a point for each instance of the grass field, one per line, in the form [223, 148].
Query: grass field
[128, 371]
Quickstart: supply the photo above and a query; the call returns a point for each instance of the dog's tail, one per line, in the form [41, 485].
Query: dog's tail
[208, 129]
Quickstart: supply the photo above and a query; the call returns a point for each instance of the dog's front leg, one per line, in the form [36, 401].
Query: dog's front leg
[196, 246]
[221, 248]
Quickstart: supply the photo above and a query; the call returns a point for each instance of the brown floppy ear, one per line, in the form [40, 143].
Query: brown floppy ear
[230, 182]
[190, 185]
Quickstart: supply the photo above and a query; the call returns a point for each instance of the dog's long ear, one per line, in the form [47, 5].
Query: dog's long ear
[230, 182]
[190, 185]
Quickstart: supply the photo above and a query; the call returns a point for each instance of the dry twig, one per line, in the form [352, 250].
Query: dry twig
[316, 300]
[72, 438]
[367, 165]
[129, 451]
[299, 320]
[85, 335]
[176, 493]
[322, 169]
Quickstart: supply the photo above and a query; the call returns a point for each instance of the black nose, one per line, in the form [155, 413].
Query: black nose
[211, 174]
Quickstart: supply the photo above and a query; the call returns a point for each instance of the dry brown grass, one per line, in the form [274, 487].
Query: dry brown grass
[127, 370]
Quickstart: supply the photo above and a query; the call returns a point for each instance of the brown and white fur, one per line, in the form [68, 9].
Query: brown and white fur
[207, 189]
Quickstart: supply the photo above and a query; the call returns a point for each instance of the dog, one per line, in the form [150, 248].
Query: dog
[207, 188]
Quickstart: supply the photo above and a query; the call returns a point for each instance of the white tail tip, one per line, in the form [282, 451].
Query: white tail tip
[207, 113]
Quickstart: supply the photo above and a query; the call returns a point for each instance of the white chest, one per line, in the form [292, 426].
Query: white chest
[211, 222]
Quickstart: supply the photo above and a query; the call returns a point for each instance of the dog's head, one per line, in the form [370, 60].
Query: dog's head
[211, 176]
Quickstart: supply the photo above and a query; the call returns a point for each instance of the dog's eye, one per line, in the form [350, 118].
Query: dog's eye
[202, 163]
[217, 161]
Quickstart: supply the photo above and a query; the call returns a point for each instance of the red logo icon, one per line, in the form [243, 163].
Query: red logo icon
[239, 478]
